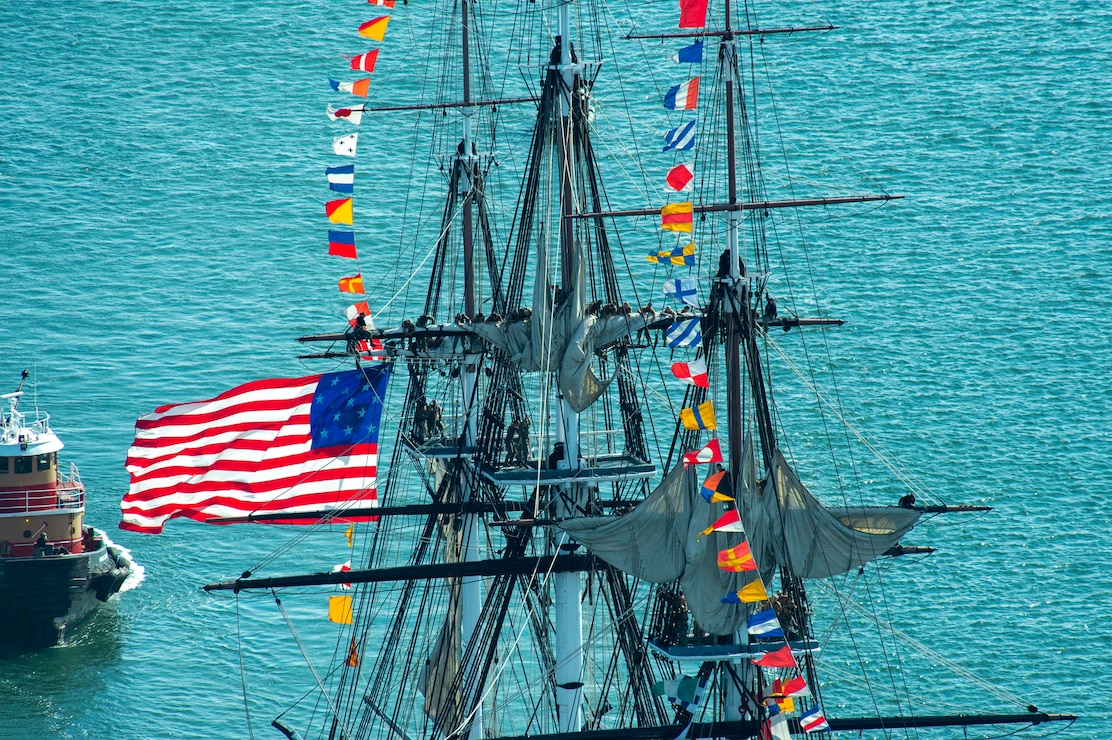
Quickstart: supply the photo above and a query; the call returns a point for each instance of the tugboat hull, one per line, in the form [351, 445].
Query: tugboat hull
[42, 597]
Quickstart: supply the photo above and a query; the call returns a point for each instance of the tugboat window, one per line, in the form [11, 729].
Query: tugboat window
[3, 465]
[43, 463]
[22, 465]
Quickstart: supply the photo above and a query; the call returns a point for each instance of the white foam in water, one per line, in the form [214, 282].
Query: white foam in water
[138, 572]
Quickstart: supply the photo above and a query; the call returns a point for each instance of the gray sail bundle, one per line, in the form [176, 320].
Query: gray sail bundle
[789, 527]
[786, 526]
[659, 542]
[561, 337]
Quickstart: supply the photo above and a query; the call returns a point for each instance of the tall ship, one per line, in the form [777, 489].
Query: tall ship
[55, 570]
[591, 525]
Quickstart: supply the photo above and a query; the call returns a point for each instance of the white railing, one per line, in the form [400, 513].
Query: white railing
[68, 495]
[16, 427]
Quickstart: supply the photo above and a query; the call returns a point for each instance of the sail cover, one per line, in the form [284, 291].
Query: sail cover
[787, 526]
[658, 542]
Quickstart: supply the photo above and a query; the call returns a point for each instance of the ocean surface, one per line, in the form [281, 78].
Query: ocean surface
[162, 240]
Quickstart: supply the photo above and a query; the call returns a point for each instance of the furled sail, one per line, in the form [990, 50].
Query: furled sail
[787, 526]
[439, 676]
[658, 542]
[561, 336]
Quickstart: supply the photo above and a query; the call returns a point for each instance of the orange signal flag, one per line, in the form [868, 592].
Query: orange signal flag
[339, 609]
[737, 559]
[339, 211]
[677, 217]
[349, 533]
[353, 284]
[353, 655]
[375, 29]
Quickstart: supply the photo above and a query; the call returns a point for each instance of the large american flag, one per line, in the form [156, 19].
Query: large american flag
[279, 445]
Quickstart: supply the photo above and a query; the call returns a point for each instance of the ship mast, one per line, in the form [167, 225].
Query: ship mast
[471, 591]
[736, 297]
[567, 587]
[735, 290]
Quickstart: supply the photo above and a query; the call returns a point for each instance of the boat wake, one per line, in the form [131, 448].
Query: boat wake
[138, 572]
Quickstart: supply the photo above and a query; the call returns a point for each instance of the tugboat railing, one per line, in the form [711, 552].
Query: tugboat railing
[68, 495]
[72, 478]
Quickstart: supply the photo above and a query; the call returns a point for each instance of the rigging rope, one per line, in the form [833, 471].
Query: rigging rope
[242, 673]
[309, 663]
[919, 647]
[882, 454]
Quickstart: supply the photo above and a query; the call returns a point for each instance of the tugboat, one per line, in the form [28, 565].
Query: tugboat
[54, 570]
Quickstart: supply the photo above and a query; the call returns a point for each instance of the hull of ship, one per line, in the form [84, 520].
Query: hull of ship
[42, 597]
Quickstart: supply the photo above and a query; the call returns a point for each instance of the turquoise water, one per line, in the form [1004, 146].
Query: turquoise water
[161, 240]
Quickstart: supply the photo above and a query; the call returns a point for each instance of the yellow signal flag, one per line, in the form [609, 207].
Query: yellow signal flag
[339, 609]
[700, 417]
[685, 256]
[375, 29]
[678, 256]
[750, 594]
[349, 534]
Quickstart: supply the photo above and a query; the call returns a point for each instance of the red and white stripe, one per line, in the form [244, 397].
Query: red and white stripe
[246, 451]
[729, 522]
[794, 687]
[365, 62]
